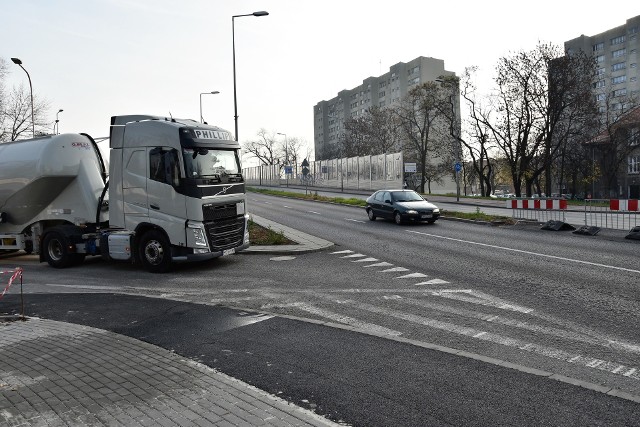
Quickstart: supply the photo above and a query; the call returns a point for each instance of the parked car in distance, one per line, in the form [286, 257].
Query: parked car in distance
[401, 206]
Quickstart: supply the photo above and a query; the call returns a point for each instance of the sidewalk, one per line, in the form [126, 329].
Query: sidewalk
[59, 374]
[62, 374]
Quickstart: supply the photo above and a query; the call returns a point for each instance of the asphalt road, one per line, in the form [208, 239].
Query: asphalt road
[553, 301]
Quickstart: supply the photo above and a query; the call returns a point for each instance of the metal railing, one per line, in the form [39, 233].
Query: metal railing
[599, 213]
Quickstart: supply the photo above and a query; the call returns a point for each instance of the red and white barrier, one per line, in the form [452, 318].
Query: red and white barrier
[546, 204]
[624, 205]
[14, 275]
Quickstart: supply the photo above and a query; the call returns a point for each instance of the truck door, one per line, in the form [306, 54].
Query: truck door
[134, 187]
[167, 208]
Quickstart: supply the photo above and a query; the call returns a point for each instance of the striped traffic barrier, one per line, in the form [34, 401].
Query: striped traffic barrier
[14, 275]
[546, 204]
[624, 205]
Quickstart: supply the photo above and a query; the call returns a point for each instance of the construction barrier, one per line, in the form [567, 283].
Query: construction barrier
[619, 214]
[541, 210]
[17, 273]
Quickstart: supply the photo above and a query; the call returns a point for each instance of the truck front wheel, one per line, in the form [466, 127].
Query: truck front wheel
[155, 252]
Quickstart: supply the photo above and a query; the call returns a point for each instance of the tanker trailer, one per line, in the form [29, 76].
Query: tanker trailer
[49, 184]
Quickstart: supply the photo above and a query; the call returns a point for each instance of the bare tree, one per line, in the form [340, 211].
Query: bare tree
[16, 114]
[265, 148]
[423, 123]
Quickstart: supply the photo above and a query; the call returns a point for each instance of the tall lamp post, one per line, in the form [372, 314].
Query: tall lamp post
[233, 39]
[56, 126]
[458, 165]
[33, 124]
[286, 156]
[215, 92]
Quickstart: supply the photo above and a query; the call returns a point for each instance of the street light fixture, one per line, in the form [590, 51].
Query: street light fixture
[233, 40]
[215, 92]
[56, 126]
[18, 62]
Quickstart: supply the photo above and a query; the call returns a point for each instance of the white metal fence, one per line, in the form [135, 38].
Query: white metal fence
[367, 172]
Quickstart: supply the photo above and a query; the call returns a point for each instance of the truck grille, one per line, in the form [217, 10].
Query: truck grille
[215, 212]
[225, 233]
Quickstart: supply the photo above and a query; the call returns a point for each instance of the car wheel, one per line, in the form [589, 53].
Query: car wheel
[154, 252]
[397, 218]
[372, 216]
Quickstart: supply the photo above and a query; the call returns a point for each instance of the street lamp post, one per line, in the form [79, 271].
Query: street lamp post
[56, 126]
[215, 92]
[458, 164]
[286, 156]
[233, 40]
[18, 62]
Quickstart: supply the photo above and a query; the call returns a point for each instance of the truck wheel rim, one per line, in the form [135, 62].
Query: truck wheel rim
[153, 252]
[55, 250]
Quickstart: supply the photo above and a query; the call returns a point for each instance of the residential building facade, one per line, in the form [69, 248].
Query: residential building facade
[617, 91]
[383, 91]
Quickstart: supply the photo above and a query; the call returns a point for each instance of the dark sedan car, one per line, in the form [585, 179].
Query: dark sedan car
[401, 206]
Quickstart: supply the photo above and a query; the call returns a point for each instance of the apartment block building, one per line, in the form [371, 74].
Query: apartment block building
[616, 53]
[617, 91]
[384, 91]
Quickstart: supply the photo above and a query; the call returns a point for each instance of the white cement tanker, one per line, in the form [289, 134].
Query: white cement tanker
[174, 192]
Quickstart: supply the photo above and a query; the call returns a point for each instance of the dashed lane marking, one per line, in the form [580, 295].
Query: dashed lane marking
[477, 297]
[432, 282]
[412, 276]
[354, 256]
[366, 260]
[354, 220]
[347, 251]
[394, 270]
[380, 264]
[313, 212]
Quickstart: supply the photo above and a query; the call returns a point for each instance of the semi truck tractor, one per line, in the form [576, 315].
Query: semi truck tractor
[173, 191]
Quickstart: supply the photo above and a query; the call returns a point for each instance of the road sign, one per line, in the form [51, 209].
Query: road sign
[288, 170]
[410, 167]
[458, 167]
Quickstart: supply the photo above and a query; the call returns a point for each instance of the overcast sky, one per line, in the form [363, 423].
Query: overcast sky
[98, 58]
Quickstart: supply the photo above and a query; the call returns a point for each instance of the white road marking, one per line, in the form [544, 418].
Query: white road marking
[354, 256]
[595, 264]
[285, 206]
[432, 282]
[477, 297]
[380, 264]
[412, 276]
[554, 353]
[313, 212]
[282, 258]
[354, 220]
[394, 269]
[366, 260]
[347, 251]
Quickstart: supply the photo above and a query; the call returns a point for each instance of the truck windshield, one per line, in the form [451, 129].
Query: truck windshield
[204, 162]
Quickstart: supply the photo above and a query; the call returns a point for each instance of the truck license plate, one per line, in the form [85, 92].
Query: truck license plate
[229, 251]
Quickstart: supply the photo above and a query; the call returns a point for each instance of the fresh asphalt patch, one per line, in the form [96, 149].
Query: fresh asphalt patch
[344, 375]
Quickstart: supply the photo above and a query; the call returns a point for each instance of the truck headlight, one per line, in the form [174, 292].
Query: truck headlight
[198, 234]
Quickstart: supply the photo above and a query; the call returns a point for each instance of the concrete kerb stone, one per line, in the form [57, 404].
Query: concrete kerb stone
[306, 242]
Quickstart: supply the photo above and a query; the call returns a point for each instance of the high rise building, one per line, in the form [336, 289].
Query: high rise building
[616, 55]
[383, 91]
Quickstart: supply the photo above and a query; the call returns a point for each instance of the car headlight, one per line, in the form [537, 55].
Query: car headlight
[412, 212]
[436, 210]
[198, 235]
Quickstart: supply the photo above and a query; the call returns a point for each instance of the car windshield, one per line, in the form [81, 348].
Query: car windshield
[406, 196]
[202, 162]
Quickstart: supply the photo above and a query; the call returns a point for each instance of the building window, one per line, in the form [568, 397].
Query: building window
[633, 30]
[618, 80]
[598, 46]
[619, 92]
[600, 97]
[618, 53]
[619, 66]
[598, 84]
[381, 104]
[634, 65]
[600, 59]
[634, 136]
[381, 94]
[600, 71]
[634, 164]
[633, 79]
[617, 40]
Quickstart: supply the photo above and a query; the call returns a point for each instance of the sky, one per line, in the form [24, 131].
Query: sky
[99, 58]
